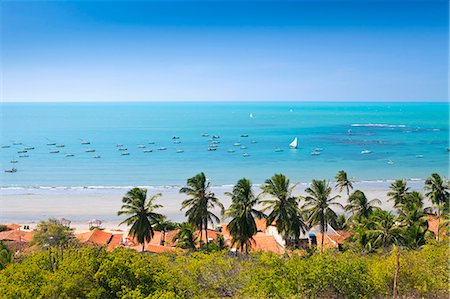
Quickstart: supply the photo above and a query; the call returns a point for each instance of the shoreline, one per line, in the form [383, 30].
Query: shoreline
[178, 186]
[80, 205]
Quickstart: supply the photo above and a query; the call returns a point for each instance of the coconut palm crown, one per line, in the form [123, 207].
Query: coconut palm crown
[242, 226]
[343, 182]
[284, 208]
[201, 200]
[142, 218]
[319, 205]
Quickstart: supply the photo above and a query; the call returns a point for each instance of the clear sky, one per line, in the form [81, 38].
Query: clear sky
[326, 50]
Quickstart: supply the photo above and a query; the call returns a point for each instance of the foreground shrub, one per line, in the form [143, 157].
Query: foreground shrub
[90, 272]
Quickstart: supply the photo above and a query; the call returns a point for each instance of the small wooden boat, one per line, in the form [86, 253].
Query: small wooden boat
[11, 170]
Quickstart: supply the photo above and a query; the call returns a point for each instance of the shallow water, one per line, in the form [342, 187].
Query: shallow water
[397, 132]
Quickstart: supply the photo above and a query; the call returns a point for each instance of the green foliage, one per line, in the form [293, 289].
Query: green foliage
[199, 203]
[5, 255]
[242, 226]
[319, 206]
[141, 218]
[360, 206]
[52, 233]
[284, 207]
[343, 182]
[2, 227]
[90, 272]
[185, 237]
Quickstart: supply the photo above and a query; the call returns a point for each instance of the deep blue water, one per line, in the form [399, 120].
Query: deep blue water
[397, 132]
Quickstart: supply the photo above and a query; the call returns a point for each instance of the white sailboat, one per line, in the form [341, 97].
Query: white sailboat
[294, 143]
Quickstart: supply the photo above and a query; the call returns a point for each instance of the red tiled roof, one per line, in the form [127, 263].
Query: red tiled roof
[433, 224]
[115, 242]
[96, 236]
[159, 248]
[263, 242]
[13, 226]
[16, 235]
[212, 234]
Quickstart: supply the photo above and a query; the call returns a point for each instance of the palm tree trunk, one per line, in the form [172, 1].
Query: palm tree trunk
[163, 237]
[206, 234]
[397, 268]
[439, 225]
[143, 247]
[321, 246]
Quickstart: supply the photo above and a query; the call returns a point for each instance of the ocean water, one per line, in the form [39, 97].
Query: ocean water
[414, 136]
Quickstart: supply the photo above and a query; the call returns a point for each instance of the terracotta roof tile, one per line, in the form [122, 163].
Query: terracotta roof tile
[433, 224]
[13, 226]
[96, 236]
[16, 235]
[115, 242]
[263, 242]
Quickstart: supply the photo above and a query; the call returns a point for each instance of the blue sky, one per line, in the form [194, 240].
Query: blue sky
[224, 50]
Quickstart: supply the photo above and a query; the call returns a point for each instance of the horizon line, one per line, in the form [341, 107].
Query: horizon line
[221, 101]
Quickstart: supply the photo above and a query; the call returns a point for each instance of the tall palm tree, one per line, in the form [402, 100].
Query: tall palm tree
[242, 226]
[319, 205]
[360, 206]
[399, 192]
[439, 195]
[438, 192]
[141, 216]
[284, 209]
[343, 182]
[199, 203]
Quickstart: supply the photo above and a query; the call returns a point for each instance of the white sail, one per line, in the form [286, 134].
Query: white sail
[294, 142]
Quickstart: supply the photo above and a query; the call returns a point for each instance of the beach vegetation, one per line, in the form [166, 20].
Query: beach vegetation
[284, 210]
[242, 226]
[199, 204]
[141, 216]
[343, 182]
[361, 207]
[319, 206]
[90, 272]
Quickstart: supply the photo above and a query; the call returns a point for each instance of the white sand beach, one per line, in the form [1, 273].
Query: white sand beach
[29, 206]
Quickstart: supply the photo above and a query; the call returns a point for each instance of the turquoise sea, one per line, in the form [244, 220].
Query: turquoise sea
[413, 136]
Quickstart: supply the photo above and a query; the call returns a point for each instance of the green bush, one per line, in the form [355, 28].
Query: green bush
[89, 272]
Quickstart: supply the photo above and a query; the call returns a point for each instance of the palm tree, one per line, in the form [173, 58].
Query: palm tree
[360, 206]
[142, 218]
[439, 195]
[343, 182]
[319, 206]
[399, 192]
[185, 237]
[163, 226]
[242, 227]
[438, 191]
[384, 231]
[284, 208]
[199, 204]
[413, 220]
[5, 256]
